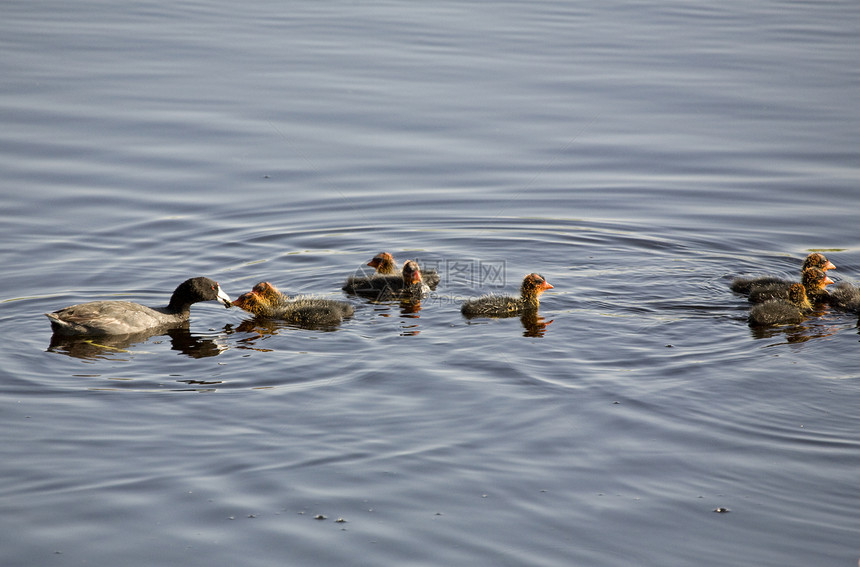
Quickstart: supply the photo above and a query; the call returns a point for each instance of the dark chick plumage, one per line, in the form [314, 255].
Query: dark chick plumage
[790, 309]
[125, 317]
[407, 285]
[267, 302]
[845, 296]
[506, 306]
[746, 285]
[385, 265]
[813, 279]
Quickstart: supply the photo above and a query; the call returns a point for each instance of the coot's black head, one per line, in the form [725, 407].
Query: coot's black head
[197, 289]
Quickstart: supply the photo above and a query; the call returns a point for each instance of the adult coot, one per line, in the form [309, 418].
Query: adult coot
[125, 317]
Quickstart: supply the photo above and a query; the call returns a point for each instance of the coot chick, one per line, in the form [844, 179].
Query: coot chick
[791, 309]
[817, 260]
[845, 296]
[408, 285]
[267, 302]
[384, 265]
[506, 306]
[813, 279]
[125, 317]
[814, 260]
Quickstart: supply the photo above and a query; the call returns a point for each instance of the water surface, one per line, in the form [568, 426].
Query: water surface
[636, 155]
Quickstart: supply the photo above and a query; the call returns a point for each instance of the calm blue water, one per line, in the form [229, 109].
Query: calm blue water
[638, 155]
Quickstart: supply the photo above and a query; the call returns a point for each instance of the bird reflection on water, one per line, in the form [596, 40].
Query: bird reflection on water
[114, 346]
